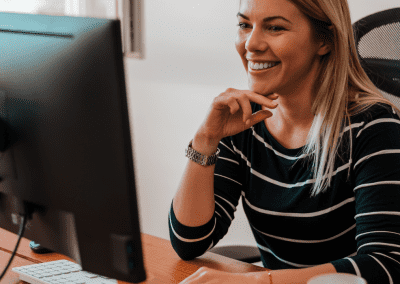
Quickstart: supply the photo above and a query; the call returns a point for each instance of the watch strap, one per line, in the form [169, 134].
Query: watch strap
[200, 158]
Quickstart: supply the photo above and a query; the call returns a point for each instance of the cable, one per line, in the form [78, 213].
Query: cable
[21, 232]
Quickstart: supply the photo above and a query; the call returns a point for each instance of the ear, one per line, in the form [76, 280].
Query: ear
[324, 48]
[325, 44]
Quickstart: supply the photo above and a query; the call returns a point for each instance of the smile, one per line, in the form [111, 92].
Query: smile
[261, 66]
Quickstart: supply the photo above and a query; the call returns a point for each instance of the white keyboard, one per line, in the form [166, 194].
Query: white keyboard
[59, 272]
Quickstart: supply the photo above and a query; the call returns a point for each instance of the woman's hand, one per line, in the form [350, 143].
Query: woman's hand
[230, 113]
[211, 276]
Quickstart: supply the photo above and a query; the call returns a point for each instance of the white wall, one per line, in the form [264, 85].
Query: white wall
[190, 58]
[361, 8]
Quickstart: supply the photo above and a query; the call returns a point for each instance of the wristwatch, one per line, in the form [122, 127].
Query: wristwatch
[200, 158]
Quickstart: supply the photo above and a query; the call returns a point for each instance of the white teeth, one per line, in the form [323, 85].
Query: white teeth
[258, 66]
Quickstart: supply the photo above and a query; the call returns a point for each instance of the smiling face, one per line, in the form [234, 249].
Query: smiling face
[276, 36]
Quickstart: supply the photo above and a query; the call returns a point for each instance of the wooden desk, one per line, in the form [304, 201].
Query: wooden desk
[162, 264]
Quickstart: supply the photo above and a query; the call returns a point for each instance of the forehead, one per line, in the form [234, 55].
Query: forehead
[263, 8]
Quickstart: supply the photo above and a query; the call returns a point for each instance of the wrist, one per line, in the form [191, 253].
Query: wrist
[205, 145]
[261, 277]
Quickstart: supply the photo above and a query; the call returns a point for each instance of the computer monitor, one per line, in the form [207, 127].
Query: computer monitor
[66, 143]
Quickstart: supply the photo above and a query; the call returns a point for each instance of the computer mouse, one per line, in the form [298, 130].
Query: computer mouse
[37, 248]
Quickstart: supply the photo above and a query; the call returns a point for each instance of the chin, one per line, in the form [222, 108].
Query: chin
[261, 91]
[260, 88]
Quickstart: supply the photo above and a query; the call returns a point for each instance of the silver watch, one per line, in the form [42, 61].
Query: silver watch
[200, 158]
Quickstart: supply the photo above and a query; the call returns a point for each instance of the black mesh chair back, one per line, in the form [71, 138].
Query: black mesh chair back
[377, 39]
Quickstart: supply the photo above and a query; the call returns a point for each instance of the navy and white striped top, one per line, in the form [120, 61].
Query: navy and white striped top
[355, 224]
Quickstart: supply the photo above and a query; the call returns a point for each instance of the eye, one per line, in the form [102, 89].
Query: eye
[270, 28]
[242, 25]
[276, 28]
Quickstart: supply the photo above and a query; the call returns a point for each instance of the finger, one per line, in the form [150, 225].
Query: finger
[258, 117]
[261, 100]
[273, 96]
[233, 105]
[246, 107]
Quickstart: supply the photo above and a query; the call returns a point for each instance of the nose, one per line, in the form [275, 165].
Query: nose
[256, 41]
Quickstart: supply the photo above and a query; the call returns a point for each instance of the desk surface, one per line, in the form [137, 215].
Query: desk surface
[162, 264]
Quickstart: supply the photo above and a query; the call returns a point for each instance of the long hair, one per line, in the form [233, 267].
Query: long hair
[343, 89]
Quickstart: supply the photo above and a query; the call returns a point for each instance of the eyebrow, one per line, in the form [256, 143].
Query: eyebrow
[267, 19]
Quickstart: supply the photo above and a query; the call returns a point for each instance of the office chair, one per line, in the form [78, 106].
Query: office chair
[377, 39]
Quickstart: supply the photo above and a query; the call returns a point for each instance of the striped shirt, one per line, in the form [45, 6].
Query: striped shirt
[355, 224]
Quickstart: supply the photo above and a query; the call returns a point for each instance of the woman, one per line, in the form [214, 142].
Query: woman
[309, 100]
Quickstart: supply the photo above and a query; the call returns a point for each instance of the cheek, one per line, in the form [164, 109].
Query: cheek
[295, 51]
[283, 48]
[240, 45]
[240, 48]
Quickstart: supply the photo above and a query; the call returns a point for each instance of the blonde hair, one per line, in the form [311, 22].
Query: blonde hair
[342, 82]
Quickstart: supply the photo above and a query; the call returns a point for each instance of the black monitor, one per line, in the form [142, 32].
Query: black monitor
[65, 141]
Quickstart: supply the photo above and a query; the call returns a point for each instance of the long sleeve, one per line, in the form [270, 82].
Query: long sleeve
[376, 166]
[354, 224]
[191, 242]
